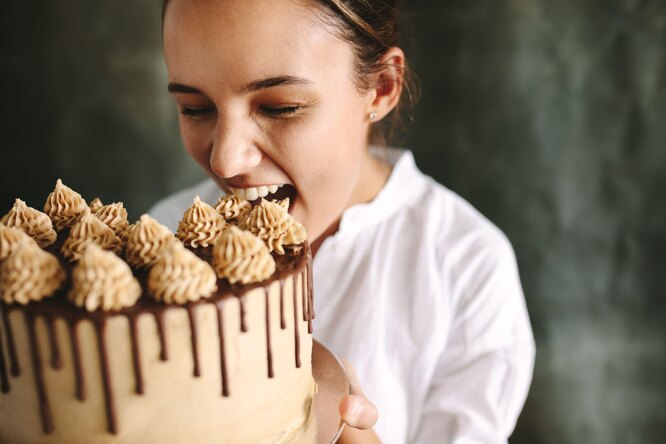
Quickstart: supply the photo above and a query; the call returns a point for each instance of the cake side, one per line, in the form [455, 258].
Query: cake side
[233, 393]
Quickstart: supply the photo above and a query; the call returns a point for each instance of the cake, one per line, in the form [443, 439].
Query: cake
[119, 333]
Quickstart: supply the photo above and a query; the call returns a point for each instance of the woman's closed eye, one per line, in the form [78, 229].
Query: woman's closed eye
[281, 111]
[196, 112]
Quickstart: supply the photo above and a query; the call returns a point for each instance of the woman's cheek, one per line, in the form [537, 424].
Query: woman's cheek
[195, 144]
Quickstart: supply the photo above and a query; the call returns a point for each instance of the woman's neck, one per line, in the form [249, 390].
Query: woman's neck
[373, 175]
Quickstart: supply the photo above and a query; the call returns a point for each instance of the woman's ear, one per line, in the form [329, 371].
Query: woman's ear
[388, 83]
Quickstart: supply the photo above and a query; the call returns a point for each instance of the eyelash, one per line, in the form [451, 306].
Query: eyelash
[271, 112]
[281, 111]
[195, 112]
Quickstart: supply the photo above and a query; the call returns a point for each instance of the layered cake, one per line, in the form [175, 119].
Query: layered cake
[112, 332]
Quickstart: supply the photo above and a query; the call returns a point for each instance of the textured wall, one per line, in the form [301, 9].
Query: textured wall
[549, 116]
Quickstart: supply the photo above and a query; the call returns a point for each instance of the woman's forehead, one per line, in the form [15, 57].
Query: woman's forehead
[248, 39]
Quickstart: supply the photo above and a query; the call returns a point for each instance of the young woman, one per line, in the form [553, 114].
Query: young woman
[413, 286]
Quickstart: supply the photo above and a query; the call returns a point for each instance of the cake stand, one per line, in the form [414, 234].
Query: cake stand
[332, 386]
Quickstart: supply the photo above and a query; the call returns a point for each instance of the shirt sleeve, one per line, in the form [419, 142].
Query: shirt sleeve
[482, 376]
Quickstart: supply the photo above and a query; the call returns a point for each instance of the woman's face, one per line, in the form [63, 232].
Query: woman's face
[266, 96]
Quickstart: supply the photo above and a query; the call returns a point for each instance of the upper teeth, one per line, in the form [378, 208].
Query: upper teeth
[254, 193]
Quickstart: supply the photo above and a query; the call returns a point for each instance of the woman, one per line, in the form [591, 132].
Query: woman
[414, 287]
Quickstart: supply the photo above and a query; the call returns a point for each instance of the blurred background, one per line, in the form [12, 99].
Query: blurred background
[548, 116]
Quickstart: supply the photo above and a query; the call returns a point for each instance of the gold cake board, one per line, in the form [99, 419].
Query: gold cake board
[325, 425]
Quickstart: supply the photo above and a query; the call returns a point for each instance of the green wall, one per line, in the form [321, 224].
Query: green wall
[549, 116]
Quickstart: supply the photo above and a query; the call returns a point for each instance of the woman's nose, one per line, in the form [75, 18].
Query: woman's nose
[234, 151]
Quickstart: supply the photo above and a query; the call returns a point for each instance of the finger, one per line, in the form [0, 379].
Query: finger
[356, 411]
[354, 384]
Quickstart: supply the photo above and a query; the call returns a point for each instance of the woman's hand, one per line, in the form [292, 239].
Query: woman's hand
[357, 412]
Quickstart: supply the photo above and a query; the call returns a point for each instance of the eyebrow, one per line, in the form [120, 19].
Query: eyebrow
[270, 82]
[274, 81]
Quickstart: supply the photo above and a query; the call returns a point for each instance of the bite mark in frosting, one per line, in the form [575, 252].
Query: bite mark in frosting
[33, 222]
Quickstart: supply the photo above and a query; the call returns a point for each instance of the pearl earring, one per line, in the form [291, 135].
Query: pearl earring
[372, 115]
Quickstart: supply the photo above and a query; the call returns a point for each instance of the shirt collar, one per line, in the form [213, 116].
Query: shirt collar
[395, 194]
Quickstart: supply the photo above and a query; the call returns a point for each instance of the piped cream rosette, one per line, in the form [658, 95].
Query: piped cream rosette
[89, 229]
[10, 239]
[95, 205]
[64, 206]
[200, 226]
[33, 222]
[103, 281]
[240, 256]
[146, 242]
[233, 209]
[179, 276]
[114, 216]
[271, 222]
[29, 274]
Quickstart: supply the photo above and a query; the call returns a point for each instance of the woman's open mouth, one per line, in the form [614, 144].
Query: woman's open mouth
[269, 192]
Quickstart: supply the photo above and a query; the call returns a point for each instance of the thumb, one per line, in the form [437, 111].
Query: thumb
[355, 409]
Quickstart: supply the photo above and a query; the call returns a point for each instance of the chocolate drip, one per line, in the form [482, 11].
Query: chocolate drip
[4, 375]
[297, 340]
[311, 286]
[136, 355]
[56, 361]
[14, 368]
[100, 327]
[269, 352]
[283, 323]
[243, 326]
[159, 319]
[304, 292]
[44, 408]
[195, 341]
[223, 356]
[76, 355]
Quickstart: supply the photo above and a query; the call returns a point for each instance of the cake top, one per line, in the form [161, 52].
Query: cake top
[112, 263]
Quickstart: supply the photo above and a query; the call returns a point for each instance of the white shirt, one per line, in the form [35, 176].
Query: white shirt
[422, 294]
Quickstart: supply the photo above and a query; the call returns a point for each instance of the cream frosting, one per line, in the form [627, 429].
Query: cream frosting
[146, 242]
[33, 222]
[95, 205]
[271, 222]
[232, 208]
[64, 206]
[239, 256]
[29, 274]
[89, 229]
[101, 280]
[179, 276]
[10, 239]
[114, 216]
[201, 225]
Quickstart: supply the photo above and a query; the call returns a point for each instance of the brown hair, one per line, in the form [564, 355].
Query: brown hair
[371, 28]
